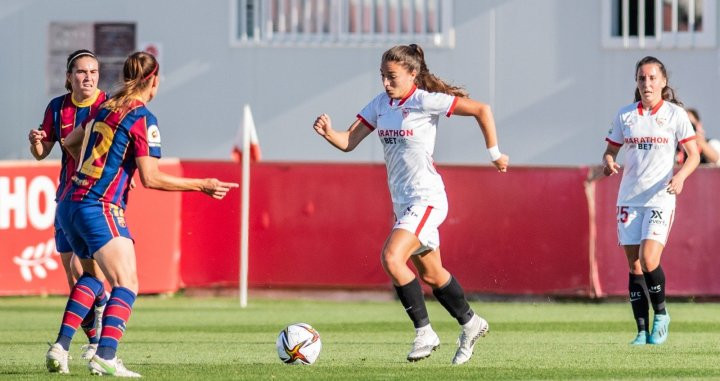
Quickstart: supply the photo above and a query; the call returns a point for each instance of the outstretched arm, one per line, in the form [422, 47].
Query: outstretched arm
[345, 141]
[486, 121]
[151, 177]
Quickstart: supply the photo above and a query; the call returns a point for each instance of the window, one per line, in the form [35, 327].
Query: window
[659, 23]
[341, 22]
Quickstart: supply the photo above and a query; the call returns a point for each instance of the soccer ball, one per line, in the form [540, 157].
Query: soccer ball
[298, 344]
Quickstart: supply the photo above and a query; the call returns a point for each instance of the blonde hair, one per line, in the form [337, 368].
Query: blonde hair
[412, 57]
[138, 72]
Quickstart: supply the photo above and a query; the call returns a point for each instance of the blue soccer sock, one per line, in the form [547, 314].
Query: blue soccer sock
[80, 302]
[117, 313]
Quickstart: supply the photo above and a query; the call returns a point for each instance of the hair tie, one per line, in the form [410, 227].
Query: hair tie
[151, 73]
[71, 60]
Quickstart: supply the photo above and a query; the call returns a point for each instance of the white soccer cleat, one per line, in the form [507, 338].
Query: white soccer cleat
[114, 367]
[88, 351]
[476, 328]
[426, 341]
[56, 359]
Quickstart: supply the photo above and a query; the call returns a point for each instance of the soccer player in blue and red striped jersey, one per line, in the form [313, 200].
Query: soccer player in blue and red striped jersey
[123, 137]
[62, 115]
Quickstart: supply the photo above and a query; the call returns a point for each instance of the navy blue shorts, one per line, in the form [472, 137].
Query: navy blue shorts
[89, 226]
[61, 243]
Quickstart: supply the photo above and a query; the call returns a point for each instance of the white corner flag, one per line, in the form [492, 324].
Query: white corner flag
[241, 144]
[245, 149]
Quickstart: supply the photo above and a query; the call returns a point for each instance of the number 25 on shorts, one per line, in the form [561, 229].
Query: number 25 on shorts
[622, 214]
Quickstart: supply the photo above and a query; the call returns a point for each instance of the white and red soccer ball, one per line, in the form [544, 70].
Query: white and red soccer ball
[298, 344]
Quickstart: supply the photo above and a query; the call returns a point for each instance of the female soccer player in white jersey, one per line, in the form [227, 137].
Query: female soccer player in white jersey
[650, 128]
[406, 116]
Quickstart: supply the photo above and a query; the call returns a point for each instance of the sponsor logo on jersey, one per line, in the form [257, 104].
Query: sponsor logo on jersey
[647, 142]
[80, 182]
[647, 139]
[395, 133]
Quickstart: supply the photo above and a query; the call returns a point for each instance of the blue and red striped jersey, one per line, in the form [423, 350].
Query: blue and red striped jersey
[62, 115]
[112, 142]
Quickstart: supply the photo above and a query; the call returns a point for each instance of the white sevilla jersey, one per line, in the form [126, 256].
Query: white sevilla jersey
[407, 130]
[650, 139]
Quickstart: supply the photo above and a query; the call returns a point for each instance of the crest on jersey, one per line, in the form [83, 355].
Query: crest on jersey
[660, 121]
[153, 136]
[405, 112]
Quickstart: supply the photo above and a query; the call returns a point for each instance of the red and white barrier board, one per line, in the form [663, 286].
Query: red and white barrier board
[29, 263]
[531, 231]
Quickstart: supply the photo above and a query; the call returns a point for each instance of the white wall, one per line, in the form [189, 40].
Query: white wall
[555, 87]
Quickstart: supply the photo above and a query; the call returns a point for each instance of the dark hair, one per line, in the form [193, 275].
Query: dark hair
[71, 63]
[412, 57]
[694, 113]
[668, 93]
[138, 71]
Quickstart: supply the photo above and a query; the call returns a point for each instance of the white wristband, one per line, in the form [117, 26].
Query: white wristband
[494, 152]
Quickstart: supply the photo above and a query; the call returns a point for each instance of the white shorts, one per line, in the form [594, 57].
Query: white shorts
[422, 219]
[638, 223]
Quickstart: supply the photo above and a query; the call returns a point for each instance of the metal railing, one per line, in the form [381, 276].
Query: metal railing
[342, 22]
[667, 25]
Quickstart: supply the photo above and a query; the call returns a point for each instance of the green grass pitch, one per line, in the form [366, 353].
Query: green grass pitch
[213, 338]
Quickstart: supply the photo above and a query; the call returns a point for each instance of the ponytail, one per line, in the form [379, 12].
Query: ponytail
[412, 58]
[138, 72]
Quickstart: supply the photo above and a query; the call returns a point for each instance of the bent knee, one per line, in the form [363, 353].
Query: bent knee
[392, 259]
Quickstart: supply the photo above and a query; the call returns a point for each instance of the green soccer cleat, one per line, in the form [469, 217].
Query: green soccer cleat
[660, 329]
[101, 367]
[641, 338]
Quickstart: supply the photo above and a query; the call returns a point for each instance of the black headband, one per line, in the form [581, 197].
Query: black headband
[78, 55]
